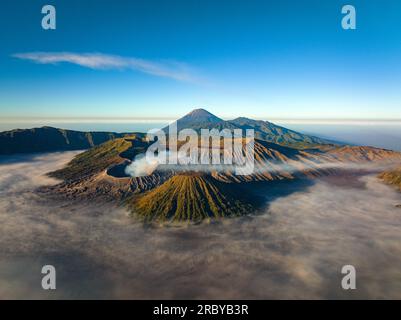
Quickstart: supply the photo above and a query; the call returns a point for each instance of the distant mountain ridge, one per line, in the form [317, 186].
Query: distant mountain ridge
[48, 139]
[264, 130]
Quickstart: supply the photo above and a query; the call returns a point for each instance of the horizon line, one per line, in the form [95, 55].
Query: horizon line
[354, 121]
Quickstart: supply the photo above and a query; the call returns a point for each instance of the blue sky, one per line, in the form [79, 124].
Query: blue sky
[160, 59]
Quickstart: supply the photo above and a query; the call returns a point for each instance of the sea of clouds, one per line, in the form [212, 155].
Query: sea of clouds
[294, 248]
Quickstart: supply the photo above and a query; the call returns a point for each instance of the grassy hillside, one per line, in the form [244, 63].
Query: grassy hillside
[192, 197]
[94, 160]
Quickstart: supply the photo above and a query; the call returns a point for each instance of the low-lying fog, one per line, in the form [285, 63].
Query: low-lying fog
[295, 249]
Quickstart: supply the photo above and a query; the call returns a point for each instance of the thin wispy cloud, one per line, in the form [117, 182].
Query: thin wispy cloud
[174, 70]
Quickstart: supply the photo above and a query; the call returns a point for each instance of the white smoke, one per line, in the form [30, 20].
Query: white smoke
[143, 166]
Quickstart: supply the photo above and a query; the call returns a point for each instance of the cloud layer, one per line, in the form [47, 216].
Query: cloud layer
[174, 70]
[295, 248]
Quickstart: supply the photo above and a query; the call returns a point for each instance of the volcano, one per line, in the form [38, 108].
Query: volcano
[197, 119]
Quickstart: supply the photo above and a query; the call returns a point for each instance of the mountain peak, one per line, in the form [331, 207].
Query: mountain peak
[196, 119]
[199, 111]
[201, 114]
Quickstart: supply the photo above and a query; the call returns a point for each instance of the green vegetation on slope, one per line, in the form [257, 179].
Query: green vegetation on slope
[94, 160]
[192, 197]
